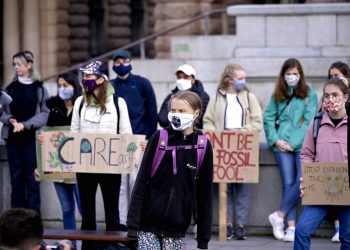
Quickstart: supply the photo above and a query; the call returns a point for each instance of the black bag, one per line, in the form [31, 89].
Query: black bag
[278, 116]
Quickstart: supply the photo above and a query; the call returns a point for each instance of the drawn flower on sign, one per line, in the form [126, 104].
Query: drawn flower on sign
[56, 139]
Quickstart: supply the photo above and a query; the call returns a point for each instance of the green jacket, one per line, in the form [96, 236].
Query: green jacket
[214, 117]
[293, 121]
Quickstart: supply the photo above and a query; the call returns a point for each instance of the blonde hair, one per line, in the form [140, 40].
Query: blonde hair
[226, 75]
[26, 57]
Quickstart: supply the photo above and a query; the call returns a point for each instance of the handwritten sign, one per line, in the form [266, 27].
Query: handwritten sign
[90, 153]
[236, 156]
[326, 184]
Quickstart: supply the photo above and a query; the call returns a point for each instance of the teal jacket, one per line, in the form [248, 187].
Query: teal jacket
[293, 121]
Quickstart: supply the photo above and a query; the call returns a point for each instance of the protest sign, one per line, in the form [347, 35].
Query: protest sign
[236, 156]
[63, 151]
[325, 184]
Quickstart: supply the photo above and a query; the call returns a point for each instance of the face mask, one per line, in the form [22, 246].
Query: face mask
[65, 93]
[89, 85]
[183, 84]
[180, 121]
[333, 104]
[291, 80]
[238, 85]
[122, 70]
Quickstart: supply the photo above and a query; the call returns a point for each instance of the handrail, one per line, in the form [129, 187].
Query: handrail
[141, 41]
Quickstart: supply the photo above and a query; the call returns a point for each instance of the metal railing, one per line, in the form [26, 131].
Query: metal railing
[141, 42]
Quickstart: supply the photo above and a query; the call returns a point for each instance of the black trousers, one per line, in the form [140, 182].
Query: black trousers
[110, 186]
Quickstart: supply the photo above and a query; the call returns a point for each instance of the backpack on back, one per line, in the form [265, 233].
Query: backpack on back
[162, 147]
[115, 100]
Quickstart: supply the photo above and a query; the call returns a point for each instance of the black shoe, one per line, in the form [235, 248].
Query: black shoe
[240, 232]
[229, 232]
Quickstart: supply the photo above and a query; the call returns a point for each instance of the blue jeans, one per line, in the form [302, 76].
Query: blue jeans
[22, 163]
[311, 218]
[290, 170]
[66, 194]
[241, 199]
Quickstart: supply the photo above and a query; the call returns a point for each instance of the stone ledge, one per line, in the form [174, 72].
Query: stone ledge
[288, 9]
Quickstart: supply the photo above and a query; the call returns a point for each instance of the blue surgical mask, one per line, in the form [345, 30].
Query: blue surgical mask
[65, 93]
[122, 70]
[239, 85]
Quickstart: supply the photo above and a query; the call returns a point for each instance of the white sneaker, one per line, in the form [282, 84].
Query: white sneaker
[277, 225]
[289, 237]
[335, 238]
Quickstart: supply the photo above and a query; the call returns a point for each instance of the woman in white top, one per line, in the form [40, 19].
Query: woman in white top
[98, 114]
[234, 107]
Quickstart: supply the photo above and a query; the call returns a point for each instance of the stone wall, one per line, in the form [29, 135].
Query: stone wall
[119, 22]
[79, 31]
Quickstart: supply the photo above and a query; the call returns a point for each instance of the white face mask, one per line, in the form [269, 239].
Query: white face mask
[183, 84]
[180, 121]
[291, 80]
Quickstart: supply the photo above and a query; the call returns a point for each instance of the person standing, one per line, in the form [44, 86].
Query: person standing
[167, 195]
[186, 80]
[21, 118]
[286, 118]
[95, 112]
[330, 147]
[61, 110]
[137, 91]
[234, 107]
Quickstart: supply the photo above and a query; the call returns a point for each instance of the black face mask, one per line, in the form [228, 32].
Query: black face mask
[122, 70]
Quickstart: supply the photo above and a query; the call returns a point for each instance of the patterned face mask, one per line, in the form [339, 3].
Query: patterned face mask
[333, 104]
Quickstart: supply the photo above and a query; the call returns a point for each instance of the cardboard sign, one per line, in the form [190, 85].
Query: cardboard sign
[49, 175]
[325, 184]
[236, 156]
[91, 153]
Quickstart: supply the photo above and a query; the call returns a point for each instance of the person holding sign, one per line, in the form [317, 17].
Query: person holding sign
[330, 146]
[172, 188]
[286, 118]
[61, 107]
[21, 118]
[234, 107]
[96, 112]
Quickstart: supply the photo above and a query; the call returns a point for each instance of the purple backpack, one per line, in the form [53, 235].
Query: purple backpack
[162, 147]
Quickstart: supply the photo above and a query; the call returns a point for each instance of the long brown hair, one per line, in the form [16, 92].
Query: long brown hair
[101, 96]
[281, 91]
[342, 67]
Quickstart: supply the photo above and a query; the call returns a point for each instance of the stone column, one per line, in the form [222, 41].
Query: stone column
[79, 31]
[31, 28]
[11, 39]
[119, 22]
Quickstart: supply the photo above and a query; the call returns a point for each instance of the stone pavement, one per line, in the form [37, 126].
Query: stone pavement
[261, 243]
[256, 242]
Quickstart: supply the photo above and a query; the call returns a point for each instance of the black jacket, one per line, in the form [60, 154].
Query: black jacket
[165, 203]
[58, 113]
[197, 87]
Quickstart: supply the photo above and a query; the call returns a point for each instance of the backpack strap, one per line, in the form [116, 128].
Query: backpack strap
[201, 148]
[162, 147]
[116, 104]
[160, 151]
[81, 105]
[316, 128]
